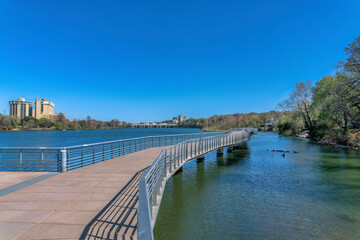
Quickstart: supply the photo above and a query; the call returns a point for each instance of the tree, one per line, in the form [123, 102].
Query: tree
[264, 118]
[62, 120]
[350, 71]
[58, 126]
[45, 123]
[254, 121]
[71, 125]
[291, 123]
[5, 123]
[300, 100]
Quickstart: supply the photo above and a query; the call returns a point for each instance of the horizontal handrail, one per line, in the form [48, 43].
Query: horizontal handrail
[152, 183]
[61, 159]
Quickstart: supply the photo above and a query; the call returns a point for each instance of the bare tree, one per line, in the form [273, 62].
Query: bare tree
[300, 100]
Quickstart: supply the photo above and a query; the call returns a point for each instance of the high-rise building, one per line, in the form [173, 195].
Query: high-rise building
[175, 120]
[182, 117]
[45, 109]
[21, 108]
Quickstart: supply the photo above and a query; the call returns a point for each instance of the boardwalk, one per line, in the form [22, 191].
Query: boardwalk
[111, 199]
[95, 202]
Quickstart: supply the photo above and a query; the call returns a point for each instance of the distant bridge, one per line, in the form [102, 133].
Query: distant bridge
[155, 125]
[112, 190]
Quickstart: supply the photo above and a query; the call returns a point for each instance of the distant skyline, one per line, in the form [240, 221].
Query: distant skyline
[152, 60]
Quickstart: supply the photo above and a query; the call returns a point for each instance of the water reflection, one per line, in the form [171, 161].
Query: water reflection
[258, 194]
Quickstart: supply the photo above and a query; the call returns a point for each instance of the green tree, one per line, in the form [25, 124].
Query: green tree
[58, 126]
[71, 125]
[350, 70]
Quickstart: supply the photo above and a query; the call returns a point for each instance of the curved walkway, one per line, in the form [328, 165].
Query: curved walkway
[95, 202]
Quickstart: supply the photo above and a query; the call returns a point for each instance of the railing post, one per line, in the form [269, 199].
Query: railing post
[182, 153]
[196, 143]
[164, 171]
[112, 151]
[42, 160]
[93, 154]
[192, 146]
[20, 160]
[171, 160]
[103, 147]
[176, 156]
[63, 160]
[82, 157]
[206, 145]
[166, 163]
[119, 149]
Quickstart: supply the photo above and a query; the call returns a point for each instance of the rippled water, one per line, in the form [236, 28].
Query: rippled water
[77, 137]
[258, 194]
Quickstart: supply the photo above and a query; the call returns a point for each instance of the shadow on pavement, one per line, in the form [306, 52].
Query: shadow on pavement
[118, 219]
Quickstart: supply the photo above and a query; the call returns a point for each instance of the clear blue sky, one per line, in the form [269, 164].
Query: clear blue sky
[151, 60]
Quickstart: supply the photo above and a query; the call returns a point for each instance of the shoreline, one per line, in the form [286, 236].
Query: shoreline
[327, 144]
[52, 129]
[337, 145]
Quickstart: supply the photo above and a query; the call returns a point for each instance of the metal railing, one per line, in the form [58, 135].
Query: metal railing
[62, 159]
[152, 183]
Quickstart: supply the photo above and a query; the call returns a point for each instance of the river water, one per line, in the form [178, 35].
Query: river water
[78, 137]
[258, 194]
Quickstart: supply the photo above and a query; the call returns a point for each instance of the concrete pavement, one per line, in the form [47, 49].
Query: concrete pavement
[94, 202]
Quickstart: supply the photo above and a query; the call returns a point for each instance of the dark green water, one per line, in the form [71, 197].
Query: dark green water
[259, 194]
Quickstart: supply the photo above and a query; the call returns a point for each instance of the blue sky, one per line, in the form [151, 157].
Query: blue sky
[152, 60]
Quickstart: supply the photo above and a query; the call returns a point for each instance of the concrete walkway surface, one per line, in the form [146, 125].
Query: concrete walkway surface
[8, 179]
[99, 201]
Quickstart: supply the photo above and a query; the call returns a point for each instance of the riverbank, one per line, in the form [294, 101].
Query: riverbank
[54, 129]
[336, 145]
[257, 194]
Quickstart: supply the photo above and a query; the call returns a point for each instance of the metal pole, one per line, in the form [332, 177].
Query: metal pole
[170, 160]
[42, 160]
[93, 154]
[103, 152]
[112, 151]
[82, 157]
[20, 162]
[63, 160]
[196, 143]
[165, 155]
